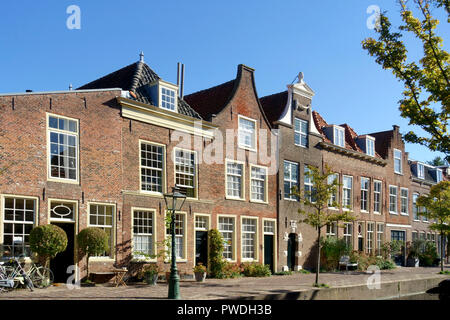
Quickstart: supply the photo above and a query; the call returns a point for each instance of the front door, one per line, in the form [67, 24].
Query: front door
[268, 251]
[64, 259]
[400, 236]
[201, 247]
[291, 252]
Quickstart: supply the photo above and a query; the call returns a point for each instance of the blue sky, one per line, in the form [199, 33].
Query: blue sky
[277, 38]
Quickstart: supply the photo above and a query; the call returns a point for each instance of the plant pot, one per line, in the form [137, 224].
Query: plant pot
[412, 262]
[200, 276]
[151, 279]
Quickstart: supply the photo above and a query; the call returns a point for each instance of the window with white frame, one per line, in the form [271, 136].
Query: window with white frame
[377, 196]
[423, 210]
[331, 229]
[201, 223]
[380, 237]
[308, 184]
[397, 161]
[348, 234]
[420, 171]
[333, 200]
[269, 227]
[226, 228]
[258, 181]
[438, 175]
[63, 144]
[62, 211]
[370, 147]
[102, 216]
[249, 238]
[247, 133]
[19, 216]
[234, 180]
[414, 235]
[301, 132]
[152, 167]
[370, 227]
[339, 136]
[290, 179]
[186, 172]
[393, 193]
[180, 223]
[414, 207]
[143, 237]
[404, 201]
[365, 183]
[168, 98]
[347, 192]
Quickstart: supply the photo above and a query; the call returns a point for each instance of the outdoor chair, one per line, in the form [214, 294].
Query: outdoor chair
[345, 261]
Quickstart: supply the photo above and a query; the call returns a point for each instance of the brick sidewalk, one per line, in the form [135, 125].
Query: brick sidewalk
[221, 288]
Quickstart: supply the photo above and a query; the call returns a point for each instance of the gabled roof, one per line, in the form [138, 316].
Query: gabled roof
[428, 177]
[274, 104]
[212, 100]
[350, 134]
[135, 78]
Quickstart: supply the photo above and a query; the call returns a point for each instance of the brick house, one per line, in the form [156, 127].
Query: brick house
[103, 155]
[290, 113]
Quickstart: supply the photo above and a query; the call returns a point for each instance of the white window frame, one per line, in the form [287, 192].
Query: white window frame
[380, 237]
[265, 182]
[343, 193]
[403, 198]
[240, 144]
[242, 176]
[112, 249]
[369, 238]
[307, 182]
[233, 234]
[299, 133]
[396, 199]
[168, 86]
[255, 240]
[184, 236]
[163, 170]
[203, 216]
[335, 196]
[370, 146]
[275, 239]
[331, 229]
[366, 192]
[153, 234]
[414, 206]
[348, 233]
[420, 171]
[76, 135]
[3, 220]
[195, 175]
[380, 194]
[339, 138]
[291, 182]
[399, 158]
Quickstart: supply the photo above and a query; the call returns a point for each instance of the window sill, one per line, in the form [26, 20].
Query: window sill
[392, 212]
[333, 208]
[260, 202]
[405, 214]
[142, 260]
[232, 198]
[292, 200]
[247, 148]
[364, 211]
[378, 213]
[63, 180]
[415, 220]
[299, 145]
[101, 259]
[151, 194]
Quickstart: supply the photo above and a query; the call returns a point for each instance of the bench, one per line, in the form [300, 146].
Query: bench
[345, 261]
[118, 274]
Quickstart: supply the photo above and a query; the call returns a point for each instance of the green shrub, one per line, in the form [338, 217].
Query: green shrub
[385, 264]
[216, 261]
[429, 257]
[283, 273]
[255, 269]
[230, 270]
[47, 241]
[92, 241]
[331, 252]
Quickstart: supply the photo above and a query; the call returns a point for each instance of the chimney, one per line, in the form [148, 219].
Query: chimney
[180, 79]
[28, 90]
[396, 127]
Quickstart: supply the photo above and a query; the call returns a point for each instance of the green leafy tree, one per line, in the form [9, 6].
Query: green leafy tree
[437, 205]
[426, 96]
[216, 247]
[438, 161]
[47, 241]
[317, 201]
[92, 241]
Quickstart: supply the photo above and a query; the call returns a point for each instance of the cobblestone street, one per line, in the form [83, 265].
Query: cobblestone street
[221, 288]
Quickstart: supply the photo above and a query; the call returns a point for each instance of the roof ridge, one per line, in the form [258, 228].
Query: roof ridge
[214, 87]
[273, 94]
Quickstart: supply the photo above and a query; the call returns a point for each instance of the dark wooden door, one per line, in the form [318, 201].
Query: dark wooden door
[64, 259]
[268, 251]
[292, 248]
[201, 247]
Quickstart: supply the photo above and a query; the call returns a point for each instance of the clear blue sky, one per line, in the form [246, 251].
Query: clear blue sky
[277, 38]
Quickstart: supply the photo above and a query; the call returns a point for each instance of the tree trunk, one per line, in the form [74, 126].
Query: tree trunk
[87, 267]
[442, 251]
[318, 257]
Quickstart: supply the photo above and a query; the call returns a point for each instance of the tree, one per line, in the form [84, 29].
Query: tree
[438, 161]
[92, 241]
[47, 241]
[426, 97]
[317, 201]
[437, 205]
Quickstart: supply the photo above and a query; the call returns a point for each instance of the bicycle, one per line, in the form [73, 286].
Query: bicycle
[40, 276]
[11, 276]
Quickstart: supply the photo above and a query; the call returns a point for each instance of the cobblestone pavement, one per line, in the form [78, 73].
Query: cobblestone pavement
[220, 288]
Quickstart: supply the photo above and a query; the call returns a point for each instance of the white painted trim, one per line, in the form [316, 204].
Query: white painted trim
[154, 233]
[394, 225]
[256, 248]
[255, 136]
[234, 244]
[242, 180]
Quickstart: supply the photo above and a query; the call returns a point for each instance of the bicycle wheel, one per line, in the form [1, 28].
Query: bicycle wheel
[42, 277]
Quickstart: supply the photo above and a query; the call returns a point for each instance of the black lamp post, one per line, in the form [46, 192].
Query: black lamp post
[174, 202]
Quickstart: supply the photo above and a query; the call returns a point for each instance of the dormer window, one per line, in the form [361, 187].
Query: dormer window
[420, 171]
[301, 132]
[338, 136]
[167, 98]
[370, 147]
[438, 175]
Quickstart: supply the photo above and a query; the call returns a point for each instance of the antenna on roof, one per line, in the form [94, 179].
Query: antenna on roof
[141, 56]
[180, 79]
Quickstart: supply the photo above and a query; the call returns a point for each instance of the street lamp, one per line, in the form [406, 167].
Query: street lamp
[174, 202]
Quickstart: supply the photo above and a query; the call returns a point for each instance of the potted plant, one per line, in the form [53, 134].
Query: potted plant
[91, 241]
[414, 253]
[200, 272]
[150, 273]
